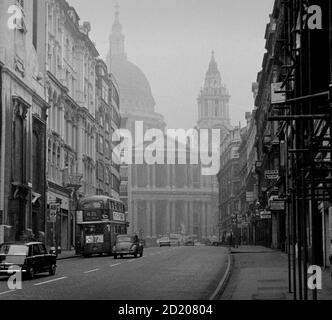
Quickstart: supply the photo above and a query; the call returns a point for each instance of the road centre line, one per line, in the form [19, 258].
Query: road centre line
[94, 270]
[9, 291]
[45, 282]
[114, 265]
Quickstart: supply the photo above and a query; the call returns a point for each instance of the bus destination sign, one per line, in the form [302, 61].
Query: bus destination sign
[118, 216]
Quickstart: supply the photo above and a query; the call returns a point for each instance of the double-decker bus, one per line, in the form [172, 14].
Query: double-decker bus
[99, 220]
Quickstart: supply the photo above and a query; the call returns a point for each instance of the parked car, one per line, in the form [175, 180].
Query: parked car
[127, 245]
[31, 257]
[164, 242]
[188, 241]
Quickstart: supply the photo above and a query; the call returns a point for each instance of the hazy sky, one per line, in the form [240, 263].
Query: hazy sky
[171, 42]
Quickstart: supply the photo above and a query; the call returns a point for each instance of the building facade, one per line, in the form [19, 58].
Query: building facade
[229, 186]
[83, 115]
[23, 107]
[294, 135]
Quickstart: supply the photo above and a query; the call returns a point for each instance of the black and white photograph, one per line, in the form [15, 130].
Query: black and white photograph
[170, 152]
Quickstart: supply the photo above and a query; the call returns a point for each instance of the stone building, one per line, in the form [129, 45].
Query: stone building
[84, 110]
[23, 110]
[165, 198]
[108, 121]
[229, 184]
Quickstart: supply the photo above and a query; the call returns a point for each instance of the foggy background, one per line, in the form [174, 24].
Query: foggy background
[171, 42]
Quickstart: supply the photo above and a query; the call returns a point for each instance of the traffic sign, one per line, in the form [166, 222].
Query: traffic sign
[54, 208]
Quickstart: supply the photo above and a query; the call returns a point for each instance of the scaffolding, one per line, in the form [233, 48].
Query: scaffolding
[305, 120]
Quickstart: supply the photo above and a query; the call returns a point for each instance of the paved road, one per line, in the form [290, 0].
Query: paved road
[189, 273]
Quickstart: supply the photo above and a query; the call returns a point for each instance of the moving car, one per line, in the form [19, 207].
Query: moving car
[127, 245]
[164, 242]
[32, 258]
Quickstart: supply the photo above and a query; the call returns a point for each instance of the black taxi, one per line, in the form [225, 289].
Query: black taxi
[30, 257]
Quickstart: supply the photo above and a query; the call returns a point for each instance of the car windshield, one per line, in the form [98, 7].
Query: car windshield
[15, 250]
[124, 239]
[164, 239]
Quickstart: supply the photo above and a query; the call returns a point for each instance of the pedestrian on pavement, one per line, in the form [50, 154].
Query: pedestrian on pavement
[230, 239]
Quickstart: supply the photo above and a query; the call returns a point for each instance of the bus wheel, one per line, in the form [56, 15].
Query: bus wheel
[141, 254]
[135, 255]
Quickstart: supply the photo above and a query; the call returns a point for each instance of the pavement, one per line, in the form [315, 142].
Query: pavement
[260, 273]
[67, 254]
[176, 273]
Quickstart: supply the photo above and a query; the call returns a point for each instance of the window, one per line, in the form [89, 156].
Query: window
[107, 150]
[35, 250]
[101, 118]
[58, 157]
[104, 92]
[107, 124]
[101, 144]
[42, 249]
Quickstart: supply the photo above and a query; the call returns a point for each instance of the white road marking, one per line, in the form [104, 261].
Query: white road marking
[9, 291]
[94, 270]
[41, 283]
[114, 265]
[131, 260]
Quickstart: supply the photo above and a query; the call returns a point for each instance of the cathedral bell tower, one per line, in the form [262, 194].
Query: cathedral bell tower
[213, 101]
[117, 39]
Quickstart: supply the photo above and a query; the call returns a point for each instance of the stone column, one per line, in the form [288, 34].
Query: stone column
[209, 219]
[149, 176]
[153, 168]
[173, 177]
[192, 177]
[168, 218]
[168, 177]
[148, 219]
[135, 218]
[205, 220]
[186, 182]
[191, 217]
[186, 216]
[154, 219]
[173, 218]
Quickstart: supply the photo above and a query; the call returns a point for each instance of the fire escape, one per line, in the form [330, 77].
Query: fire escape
[305, 120]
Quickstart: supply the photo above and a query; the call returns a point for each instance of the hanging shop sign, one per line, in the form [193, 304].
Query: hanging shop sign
[264, 215]
[277, 205]
[249, 196]
[272, 174]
